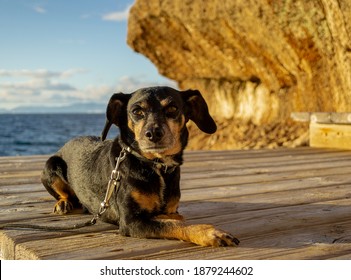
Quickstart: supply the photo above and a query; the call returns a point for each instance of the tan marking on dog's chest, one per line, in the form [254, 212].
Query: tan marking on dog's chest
[150, 202]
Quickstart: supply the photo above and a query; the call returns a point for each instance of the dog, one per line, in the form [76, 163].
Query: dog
[153, 134]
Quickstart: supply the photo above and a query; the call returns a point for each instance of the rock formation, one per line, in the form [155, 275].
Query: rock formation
[255, 61]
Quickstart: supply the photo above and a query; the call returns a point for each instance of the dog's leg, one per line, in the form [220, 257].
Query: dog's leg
[54, 179]
[168, 225]
[202, 234]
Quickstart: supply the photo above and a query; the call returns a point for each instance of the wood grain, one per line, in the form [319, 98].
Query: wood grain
[330, 135]
[281, 204]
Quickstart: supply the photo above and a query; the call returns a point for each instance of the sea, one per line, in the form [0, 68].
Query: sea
[44, 134]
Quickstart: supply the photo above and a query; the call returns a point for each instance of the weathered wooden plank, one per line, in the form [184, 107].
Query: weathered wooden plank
[258, 167]
[103, 245]
[17, 174]
[33, 244]
[202, 189]
[203, 210]
[243, 203]
[337, 118]
[341, 255]
[223, 200]
[283, 217]
[330, 153]
[282, 204]
[276, 219]
[30, 198]
[240, 154]
[265, 168]
[322, 117]
[232, 182]
[301, 116]
[20, 189]
[290, 192]
[27, 161]
[13, 166]
[20, 180]
[320, 242]
[289, 237]
[259, 161]
[310, 240]
[330, 135]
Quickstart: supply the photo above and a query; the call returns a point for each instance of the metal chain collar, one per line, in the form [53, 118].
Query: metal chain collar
[113, 184]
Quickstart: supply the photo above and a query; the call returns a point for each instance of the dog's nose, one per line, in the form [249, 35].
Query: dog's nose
[154, 134]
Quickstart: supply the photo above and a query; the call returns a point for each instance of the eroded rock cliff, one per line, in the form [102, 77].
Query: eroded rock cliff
[255, 61]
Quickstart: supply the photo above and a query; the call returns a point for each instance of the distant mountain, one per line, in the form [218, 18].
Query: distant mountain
[74, 108]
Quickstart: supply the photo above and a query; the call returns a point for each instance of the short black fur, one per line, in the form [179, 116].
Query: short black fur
[152, 122]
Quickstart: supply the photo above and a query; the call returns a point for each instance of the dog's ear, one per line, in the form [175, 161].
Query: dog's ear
[197, 111]
[116, 112]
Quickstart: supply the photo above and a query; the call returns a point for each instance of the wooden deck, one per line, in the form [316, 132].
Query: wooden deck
[281, 204]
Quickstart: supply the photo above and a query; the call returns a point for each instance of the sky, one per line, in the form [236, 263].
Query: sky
[62, 52]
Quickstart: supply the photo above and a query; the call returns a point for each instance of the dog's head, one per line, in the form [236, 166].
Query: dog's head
[152, 120]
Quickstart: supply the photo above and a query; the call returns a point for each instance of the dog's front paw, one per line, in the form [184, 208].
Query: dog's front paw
[222, 238]
[208, 235]
[63, 206]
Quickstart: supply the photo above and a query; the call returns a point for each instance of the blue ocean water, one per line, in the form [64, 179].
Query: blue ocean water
[38, 134]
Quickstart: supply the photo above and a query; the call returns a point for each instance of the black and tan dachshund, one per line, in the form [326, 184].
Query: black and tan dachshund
[152, 123]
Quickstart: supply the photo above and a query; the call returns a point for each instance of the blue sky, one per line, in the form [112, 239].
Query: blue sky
[59, 52]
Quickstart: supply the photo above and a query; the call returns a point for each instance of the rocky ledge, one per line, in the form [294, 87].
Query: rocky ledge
[254, 61]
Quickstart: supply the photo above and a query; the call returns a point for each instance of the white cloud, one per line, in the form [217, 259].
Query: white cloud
[72, 72]
[40, 10]
[127, 84]
[36, 85]
[117, 16]
[55, 88]
[40, 73]
[19, 87]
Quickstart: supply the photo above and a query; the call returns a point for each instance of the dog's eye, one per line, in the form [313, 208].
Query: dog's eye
[138, 112]
[171, 111]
